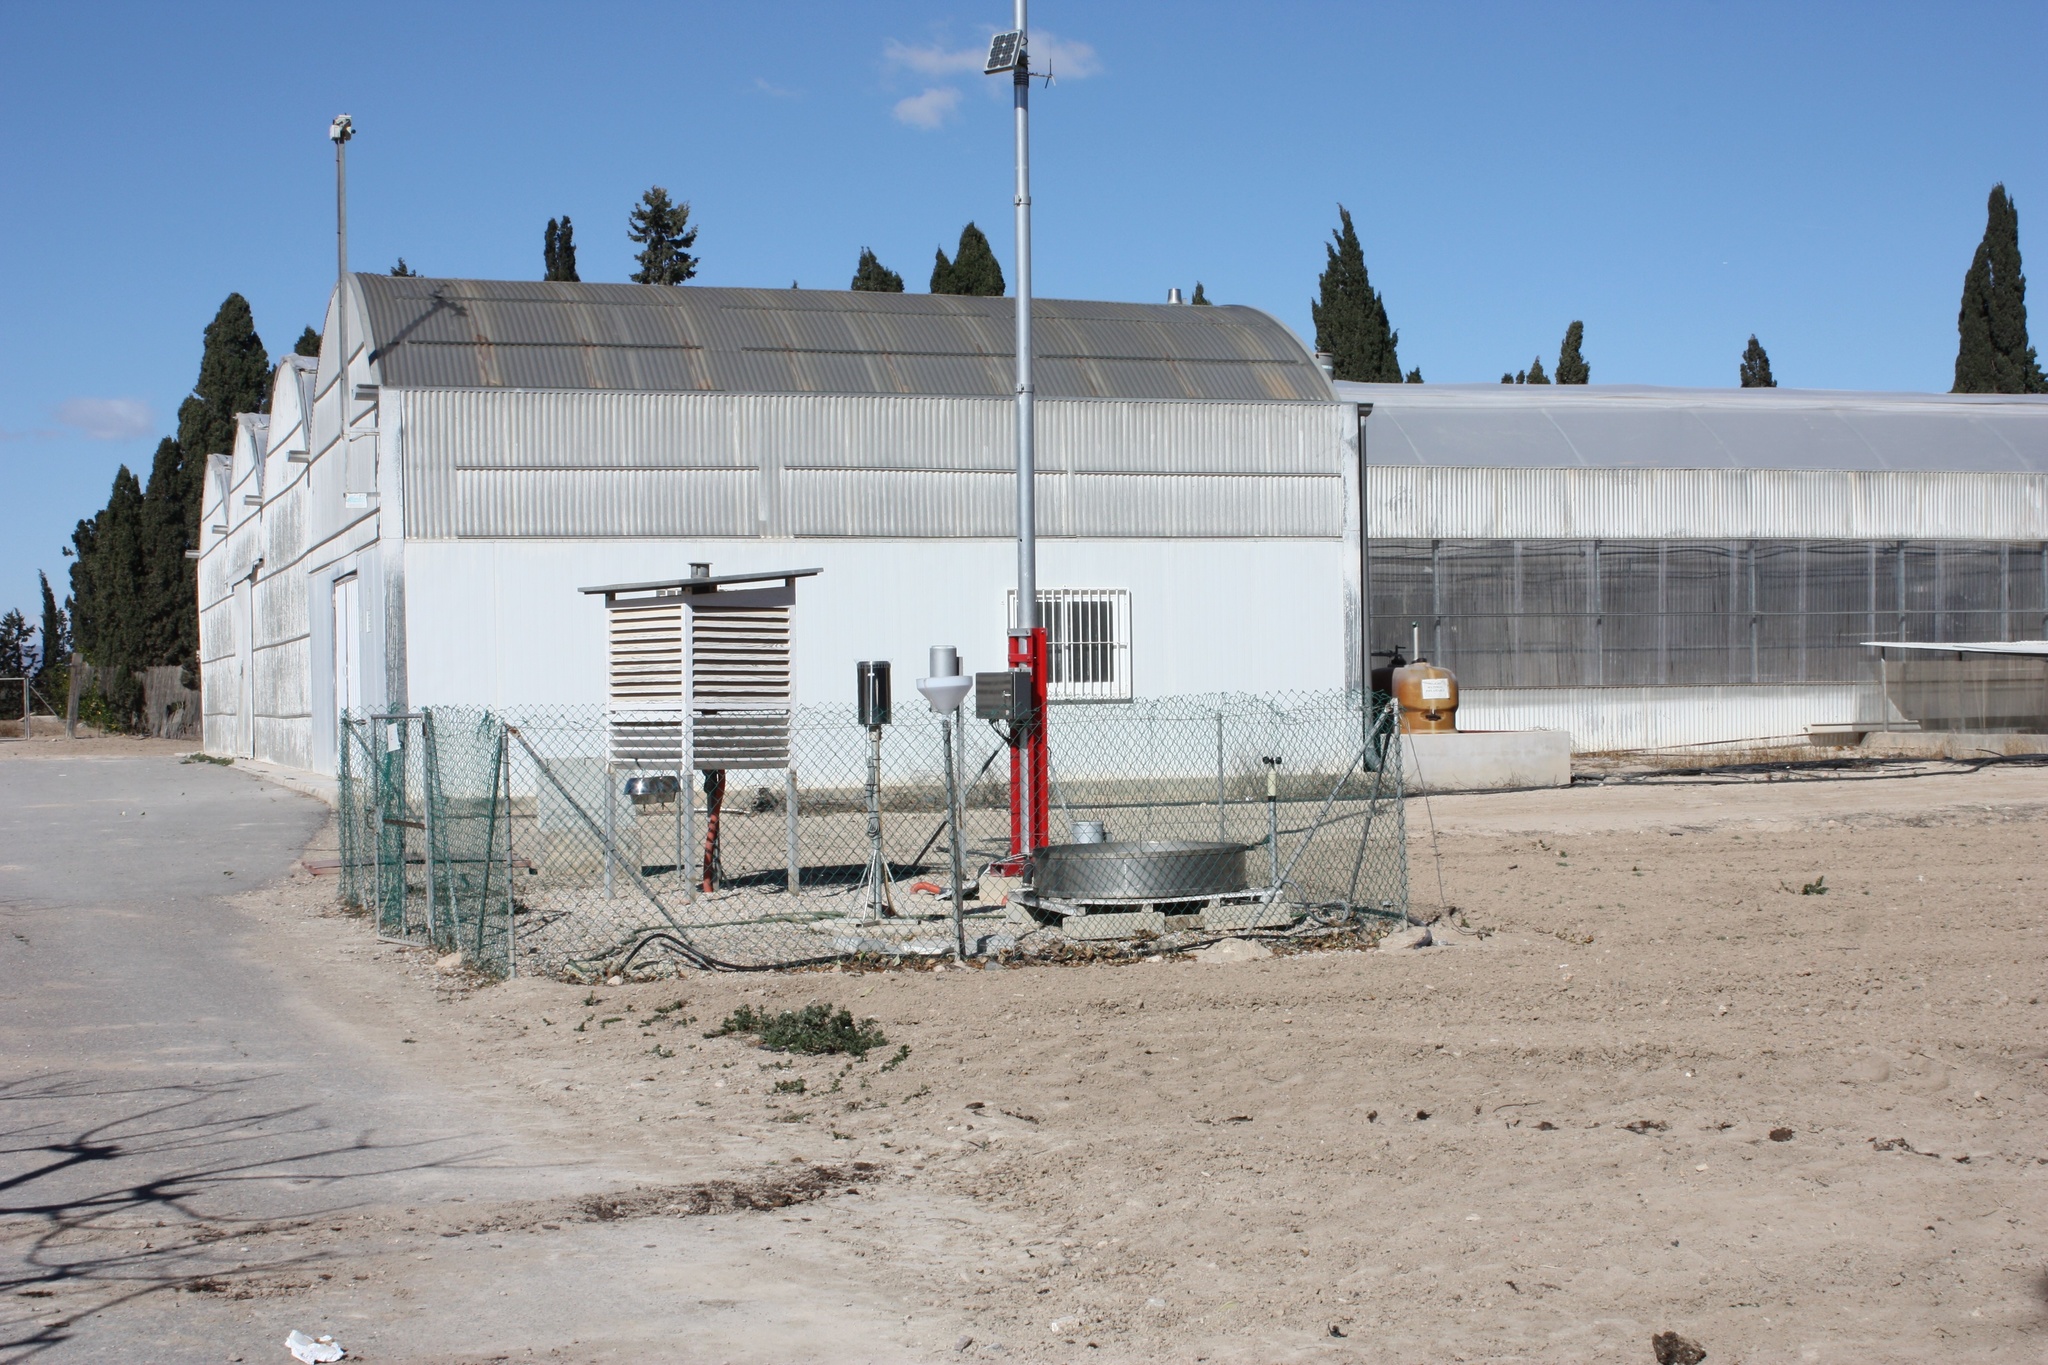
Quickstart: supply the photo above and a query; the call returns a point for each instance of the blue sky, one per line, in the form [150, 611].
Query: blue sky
[1676, 175]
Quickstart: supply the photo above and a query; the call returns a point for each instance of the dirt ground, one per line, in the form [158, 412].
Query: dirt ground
[1758, 1061]
[47, 740]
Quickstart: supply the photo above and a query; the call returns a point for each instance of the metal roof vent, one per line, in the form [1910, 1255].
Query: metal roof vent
[1327, 363]
[1173, 295]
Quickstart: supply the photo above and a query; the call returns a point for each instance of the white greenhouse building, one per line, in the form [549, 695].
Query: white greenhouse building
[504, 445]
[1639, 567]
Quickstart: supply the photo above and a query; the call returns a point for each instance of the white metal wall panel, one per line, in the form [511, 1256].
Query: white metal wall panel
[620, 502]
[1204, 507]
[906, 504]
[497, 464]
[1602, 719]
[1190, 438]
[1409, 502]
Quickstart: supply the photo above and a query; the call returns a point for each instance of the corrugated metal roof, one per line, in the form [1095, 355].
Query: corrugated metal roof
[1624, 427]
[490, 334]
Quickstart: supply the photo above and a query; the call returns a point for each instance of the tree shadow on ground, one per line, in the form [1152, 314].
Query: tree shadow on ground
[148, 1198]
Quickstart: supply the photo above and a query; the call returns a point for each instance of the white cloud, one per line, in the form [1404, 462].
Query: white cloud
[930, 109]
[762, 84]
[933, 60]
[106, 419]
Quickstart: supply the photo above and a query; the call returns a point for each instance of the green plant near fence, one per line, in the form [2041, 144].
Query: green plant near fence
[517, 841]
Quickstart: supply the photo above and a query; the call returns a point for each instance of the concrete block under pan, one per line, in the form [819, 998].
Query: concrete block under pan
[1486, 760]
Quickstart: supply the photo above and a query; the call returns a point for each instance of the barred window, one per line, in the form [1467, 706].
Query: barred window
[1088, 642]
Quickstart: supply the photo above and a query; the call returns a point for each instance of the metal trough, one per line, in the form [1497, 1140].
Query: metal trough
[1148, 870]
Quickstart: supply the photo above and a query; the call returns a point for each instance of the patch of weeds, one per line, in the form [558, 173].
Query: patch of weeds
[584, 1025]
[793, 1117]
[1817, 887]
[813, 1029]
[545, 1020]
[790, 1087]
[917, 1094]
[590, 999]
[615, 1019]
[659, 1051]
[208, 758]
[898, 1058]
[838, 1136]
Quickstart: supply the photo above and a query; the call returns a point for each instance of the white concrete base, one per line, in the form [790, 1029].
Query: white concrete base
[1486, 760]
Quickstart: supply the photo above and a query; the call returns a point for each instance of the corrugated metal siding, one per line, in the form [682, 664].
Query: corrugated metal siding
[1614, 427]
[621, 502]
[1601, 719]
[481, 464]
[904, 504]
[432, 333]
[1653, 504]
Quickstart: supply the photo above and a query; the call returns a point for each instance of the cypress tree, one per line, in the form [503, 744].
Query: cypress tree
[309, 343]
[56, 640]
[973, 269]
[1199, 297]
[1993, 355]
[17, 660]
[663, 230]
[1415, 375]
[1571, 366]
[403, 270]
[17, 656]
[1756, 366]
[167, 628]
[234, 377]
[109, 606]
[1350, 318]
[558, 250]
[1536, 374]
[872, 277]
[1507, 378]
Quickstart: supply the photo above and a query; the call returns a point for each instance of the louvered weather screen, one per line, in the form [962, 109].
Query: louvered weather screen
[712, 652]
[646, 693]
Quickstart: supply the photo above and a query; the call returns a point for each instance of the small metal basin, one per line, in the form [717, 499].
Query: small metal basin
[1139, 870]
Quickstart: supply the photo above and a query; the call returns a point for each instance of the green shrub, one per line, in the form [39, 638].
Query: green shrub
[812, 1029]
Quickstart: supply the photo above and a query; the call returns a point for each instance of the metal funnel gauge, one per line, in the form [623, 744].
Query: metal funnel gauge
[945, 694]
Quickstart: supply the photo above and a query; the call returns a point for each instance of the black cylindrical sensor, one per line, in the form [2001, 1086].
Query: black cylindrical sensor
[873, 681]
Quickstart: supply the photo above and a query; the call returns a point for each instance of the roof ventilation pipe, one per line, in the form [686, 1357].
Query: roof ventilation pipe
[1327, 363]
[1173, 295]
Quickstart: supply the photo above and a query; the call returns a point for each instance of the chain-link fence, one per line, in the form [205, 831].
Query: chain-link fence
[523, 843]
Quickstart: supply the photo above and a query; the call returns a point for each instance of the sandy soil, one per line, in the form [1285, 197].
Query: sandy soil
[1661, 1087]
[48, 741]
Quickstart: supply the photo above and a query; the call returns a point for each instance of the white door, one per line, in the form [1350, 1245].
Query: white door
[245, 670]
[348, 664]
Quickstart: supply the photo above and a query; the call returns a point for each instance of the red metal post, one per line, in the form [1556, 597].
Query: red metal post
[1030, 769]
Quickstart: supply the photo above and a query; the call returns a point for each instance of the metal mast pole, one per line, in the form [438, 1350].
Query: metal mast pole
[1027, 459]
[341, 130]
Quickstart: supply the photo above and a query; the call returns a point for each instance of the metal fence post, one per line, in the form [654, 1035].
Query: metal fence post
[792, 853]
[505, 734]
[611, 818]
[427, 800]
[1221, 836]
